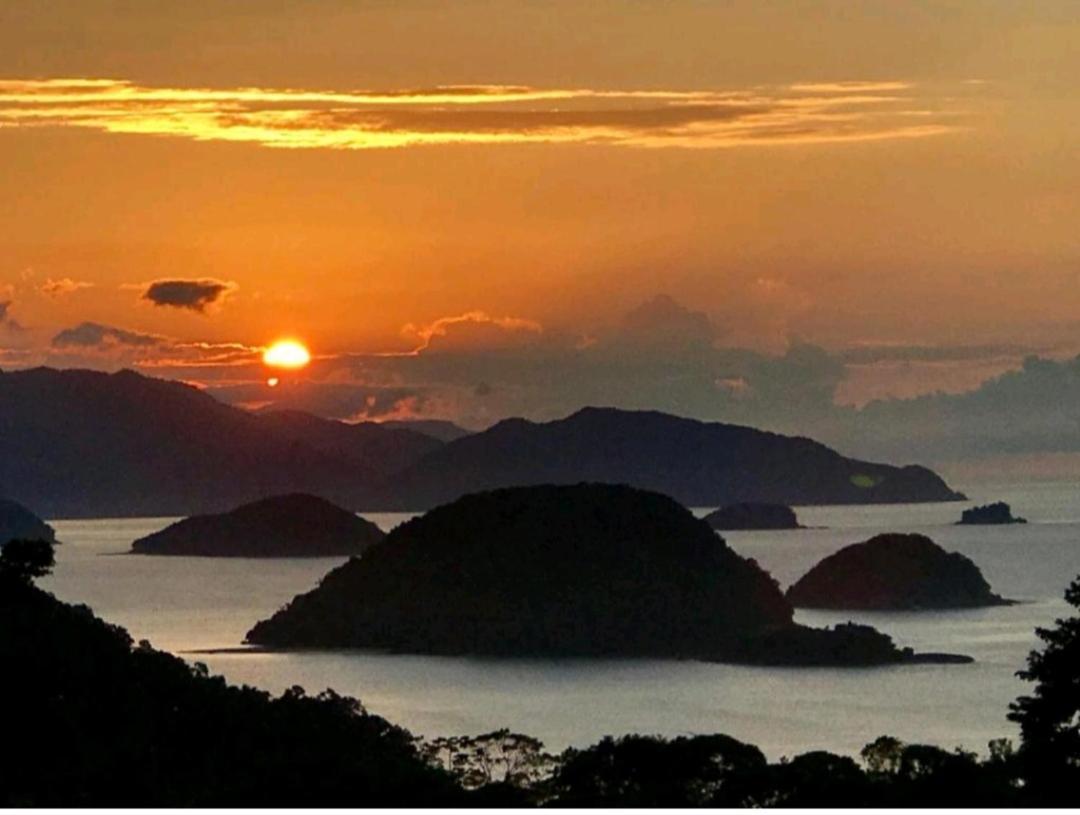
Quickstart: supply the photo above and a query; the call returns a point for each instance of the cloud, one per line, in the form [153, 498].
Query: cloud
[485, 114]
[662, 325]
[194, 295]
[875, 353]
[96, 345]
[8, 322]
[1028, 410]
[62, 287]
[103, 337]
[475, 369]
[474, 330]
[346, 402]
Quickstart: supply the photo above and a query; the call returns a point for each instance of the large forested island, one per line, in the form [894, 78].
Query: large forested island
[697, 463]
[894, 572]
[294, 525]
[144, 446]
[590, 569]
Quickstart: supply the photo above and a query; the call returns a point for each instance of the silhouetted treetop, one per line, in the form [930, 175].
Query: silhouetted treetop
[24, 561]
[1049, 717]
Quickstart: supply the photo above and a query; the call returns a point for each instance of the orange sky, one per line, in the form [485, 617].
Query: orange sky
[896, 183]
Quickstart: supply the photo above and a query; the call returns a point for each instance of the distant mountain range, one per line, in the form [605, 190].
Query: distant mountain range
[78, 443]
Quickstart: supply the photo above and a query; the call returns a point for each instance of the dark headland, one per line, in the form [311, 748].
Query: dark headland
[753, 516]
[989, 514]
[283, 526]
[894, 572]
[584, 570]
[19, 523]
[696, 463]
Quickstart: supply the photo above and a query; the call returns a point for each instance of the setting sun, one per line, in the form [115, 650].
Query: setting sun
[286, 354]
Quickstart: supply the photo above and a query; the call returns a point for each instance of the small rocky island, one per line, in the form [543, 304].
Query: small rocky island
[295, 525]
[19, 523]
[749, 515]
[583, 570]
[894, 572]
[996, 513]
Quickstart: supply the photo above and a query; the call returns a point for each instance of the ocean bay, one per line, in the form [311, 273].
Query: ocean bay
[198, 604]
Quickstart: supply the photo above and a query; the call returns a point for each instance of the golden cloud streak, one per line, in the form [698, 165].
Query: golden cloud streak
[803, 113]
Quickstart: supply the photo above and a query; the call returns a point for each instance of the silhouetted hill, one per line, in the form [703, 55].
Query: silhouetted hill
[372, 448]
[90, 720]
[83, 443]
[695, 462]
[591, 569]
[997, 513]
[753, 516]
[442, 430]
[893, 571]
[283, 526]
[19, 523]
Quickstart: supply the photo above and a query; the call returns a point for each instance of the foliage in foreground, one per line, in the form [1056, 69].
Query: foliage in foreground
[91, 719]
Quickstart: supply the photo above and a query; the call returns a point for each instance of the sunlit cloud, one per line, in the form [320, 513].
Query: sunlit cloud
[803, 113]
[474, 329]
[97, 342]
[62, 287]
[103, 337]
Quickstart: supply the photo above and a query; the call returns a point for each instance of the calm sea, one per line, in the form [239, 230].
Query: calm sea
[187, 604]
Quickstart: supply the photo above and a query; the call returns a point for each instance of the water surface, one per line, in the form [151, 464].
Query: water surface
[186, 604]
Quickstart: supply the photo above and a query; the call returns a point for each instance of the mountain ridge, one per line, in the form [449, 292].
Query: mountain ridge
[79, 443]
[698, 463]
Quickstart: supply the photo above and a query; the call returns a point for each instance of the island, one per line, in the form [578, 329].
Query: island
[989, 514]
[594, 570]
[696, 463]
[19, 523]
[894, 572]
[295, 525]
[749, 515]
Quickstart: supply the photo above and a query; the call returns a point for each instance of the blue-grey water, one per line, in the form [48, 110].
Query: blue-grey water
[187, 604]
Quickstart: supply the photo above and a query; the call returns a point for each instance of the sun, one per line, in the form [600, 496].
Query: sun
[286, 354]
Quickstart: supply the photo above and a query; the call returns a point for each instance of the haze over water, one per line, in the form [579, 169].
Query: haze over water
[188, 604]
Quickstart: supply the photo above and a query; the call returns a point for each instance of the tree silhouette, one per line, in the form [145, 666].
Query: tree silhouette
[499, 757]
[1049, 718]
[647, 771]
[882, 756]
[25, 560]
